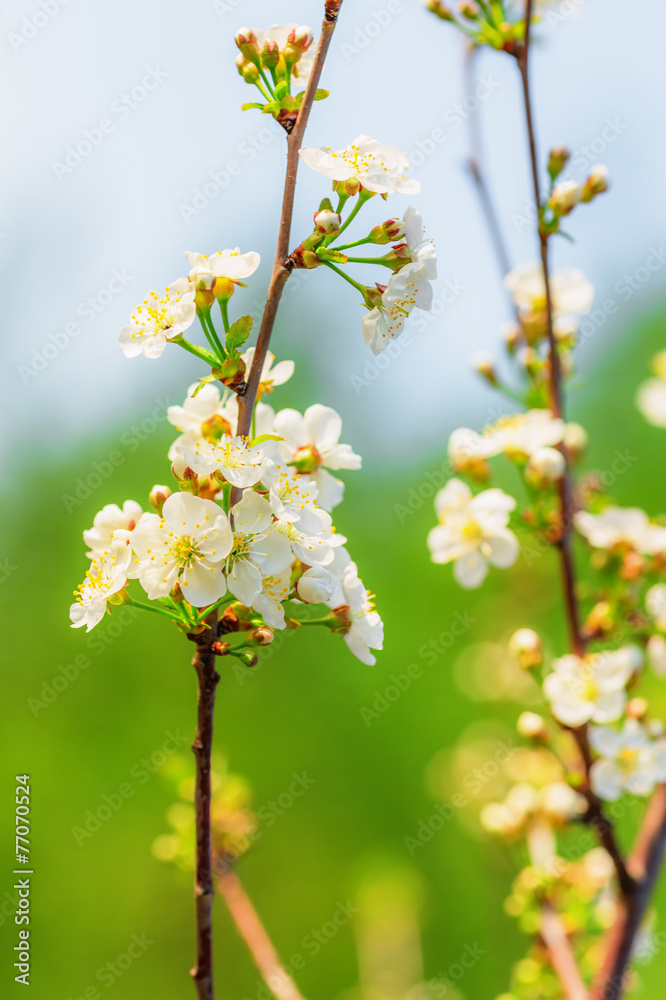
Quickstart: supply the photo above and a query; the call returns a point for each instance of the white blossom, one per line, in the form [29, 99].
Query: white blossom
[231, 457]
[618, 527]
[592, 687]
[158, 319]
[472, 532]
[186, 545]
[106, 576]
[312, 447]
[110, 519]
[316, 585]
[422, 251]
[380, 169]
[651, 401]
[312, 540]
[366, 630]
[269, 603]
[293, 498]
[407, 288]
[522, 434]
[258, 551]
[231, 264]
[571, 292]
[630, 761]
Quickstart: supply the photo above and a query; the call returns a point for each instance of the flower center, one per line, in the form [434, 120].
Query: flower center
[306, 459]
[627, 759]
[185, 551]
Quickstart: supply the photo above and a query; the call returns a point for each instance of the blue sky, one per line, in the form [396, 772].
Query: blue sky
[173, 164]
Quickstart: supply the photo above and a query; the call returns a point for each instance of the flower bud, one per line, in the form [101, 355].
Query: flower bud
[600, 620]
[596, 183]
[247, 658]
[484, 364]
[262, 636]
[545, 466]
[532, 727]
[177, 595]
[637, 708]
[564, 198]
[315, 586]
[525, 647]
[158, 497]
[438, 8]
[187, 479]
[270, 54]
[565, 329]
[388, 232]
[223, 288]
[327, 222]
[469, 10]
[201, 278]
[246, 40]
[575, 440]
[350, 187]
[512, 335]
[247, 70]
[300, 37]
[557, 160]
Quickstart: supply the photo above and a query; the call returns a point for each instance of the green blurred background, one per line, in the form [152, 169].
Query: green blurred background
[298, 711]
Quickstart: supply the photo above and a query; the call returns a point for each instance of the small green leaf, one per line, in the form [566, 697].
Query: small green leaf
[238, 333]
[202, 382]
[321, 95]
[281, 90]
[265, 437]
[250, 105]
[326, 205]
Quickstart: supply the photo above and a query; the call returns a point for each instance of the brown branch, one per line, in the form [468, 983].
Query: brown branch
[561, 956]
[644, 865]
[281, 267]
[208, 677]
[256, 938]
[475, 167]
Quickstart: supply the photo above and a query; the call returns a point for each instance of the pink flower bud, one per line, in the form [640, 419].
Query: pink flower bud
[327, 222]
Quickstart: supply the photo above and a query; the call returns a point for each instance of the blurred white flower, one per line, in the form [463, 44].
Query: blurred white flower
[522, 434]
[571, 292]
[472, 532]
[621, 527]
[231, 264]
[270, 376]
[631, 761]
[592, 687]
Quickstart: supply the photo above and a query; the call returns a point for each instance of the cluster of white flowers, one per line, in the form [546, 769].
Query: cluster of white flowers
[277, 544]
[621, 529]
[366, 168]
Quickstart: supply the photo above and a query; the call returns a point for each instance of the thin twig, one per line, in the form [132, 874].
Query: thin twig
[475, 167]
[282, 268]
[208, 677]
[561, 956]
[254, 934]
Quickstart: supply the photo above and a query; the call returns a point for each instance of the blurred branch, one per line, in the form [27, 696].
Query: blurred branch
[282, 267]
[475, 167]
[561, 956]
[256, 938]
[644, 864]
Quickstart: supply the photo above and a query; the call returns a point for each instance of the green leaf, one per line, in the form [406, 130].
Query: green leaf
[326, 205]
[250, 105]
[328, 253]
[238, 333]
[265, 437]
[321, 95]
[202, 382]
[281, 90]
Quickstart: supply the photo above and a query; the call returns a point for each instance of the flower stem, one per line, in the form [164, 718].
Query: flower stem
[213, 338]
[282, 267]
[363, 196]
[224, 309]
[356, 243]
[208, 677]
[361, 288]
[196, 351]
[156, 609]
